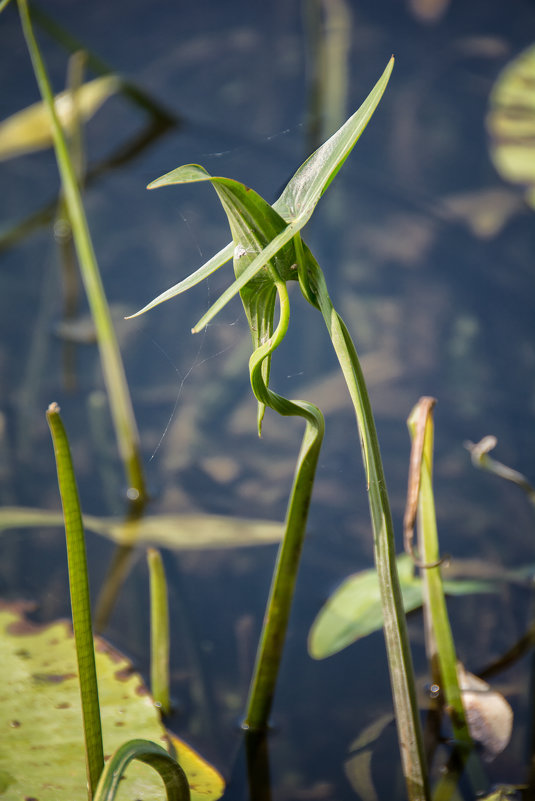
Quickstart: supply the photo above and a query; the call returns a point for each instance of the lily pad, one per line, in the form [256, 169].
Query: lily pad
[511, 122]
[41, 745]
[192, 532]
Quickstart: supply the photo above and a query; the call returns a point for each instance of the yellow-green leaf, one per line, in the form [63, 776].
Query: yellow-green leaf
[511, 122]
[179, 532]
[41, 740]
[29, 130]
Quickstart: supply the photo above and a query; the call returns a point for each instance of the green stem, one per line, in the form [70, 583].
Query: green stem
[159, 631]
[441, 648]
[395, 629]
[283, 584]
[112, 366]
[174, 778]
[80, 600]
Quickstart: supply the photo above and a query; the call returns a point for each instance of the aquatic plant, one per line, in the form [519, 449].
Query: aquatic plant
[102, 782]
[268, 252]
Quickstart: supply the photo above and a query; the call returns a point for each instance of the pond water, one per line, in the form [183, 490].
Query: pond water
[428, 255]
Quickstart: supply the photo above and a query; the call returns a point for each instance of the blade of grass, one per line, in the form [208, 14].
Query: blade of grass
[159, 632]
[80, 600]
[112, 366]
[442, 648]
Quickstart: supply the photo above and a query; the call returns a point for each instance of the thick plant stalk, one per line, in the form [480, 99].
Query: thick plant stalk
[159, 632]
[395, 629]
[80, 600]
[112, 366]
[282, 588]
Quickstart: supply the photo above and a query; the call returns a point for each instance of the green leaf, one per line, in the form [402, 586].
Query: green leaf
[295, 205]
[511, 122]
[42, 753]
[192, 280]
[354, 609]
[305, 188]
[30, 129]
[178, 532]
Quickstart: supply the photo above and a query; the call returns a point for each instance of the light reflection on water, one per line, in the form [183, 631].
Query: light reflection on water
[439, 299]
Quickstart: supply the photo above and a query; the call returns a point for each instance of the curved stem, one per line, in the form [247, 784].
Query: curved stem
[283, 584]
[174, 778]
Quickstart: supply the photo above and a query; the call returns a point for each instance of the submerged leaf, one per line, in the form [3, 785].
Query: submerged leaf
[29, 130]
[42, 754]
[511, 122]
[354, 609]
[179, 532]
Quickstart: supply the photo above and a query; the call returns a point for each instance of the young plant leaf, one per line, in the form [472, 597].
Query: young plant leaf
[192, 280]
[304, 189]
[294, 206]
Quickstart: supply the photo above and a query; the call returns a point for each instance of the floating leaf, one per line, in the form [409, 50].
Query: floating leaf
[354, 609]
[193, 532]
[511, 122]
[29, 130]
[42, 753]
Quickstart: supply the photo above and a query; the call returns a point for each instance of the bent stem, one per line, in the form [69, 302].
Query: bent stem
[112, 366]
[282, 588]
[173, 777]
[80, 600]
[395, 630]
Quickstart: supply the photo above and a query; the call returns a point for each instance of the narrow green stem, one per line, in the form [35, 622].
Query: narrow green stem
[441, 648]
[112, 366]
[173, 777]
[159, 631]
[395, 629]
[283, 584]
[80, 600]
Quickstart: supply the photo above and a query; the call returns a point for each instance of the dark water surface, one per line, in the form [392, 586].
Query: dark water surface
[428, 255]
